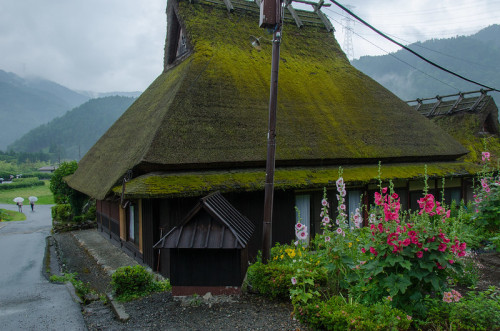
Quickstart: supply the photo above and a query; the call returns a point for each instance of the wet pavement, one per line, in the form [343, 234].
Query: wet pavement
[28, 301]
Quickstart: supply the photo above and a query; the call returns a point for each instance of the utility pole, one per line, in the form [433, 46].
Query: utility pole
[271, 18]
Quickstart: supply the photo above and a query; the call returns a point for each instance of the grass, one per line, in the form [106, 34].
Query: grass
[43, 194]
[11, 216]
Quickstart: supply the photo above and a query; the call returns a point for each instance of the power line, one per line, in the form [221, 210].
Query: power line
[410, 50]
[401, 60]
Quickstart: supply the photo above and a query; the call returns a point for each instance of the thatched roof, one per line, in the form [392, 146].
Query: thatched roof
[471, 118]
[210, 110]
[199, 183]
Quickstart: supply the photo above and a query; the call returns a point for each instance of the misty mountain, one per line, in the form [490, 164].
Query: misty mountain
[72, 134]
[476, 57]
[26, 103]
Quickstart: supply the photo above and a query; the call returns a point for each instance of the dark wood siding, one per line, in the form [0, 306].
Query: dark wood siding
[205, 267]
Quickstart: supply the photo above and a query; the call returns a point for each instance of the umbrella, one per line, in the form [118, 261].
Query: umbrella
[18, 199]
[33, 199]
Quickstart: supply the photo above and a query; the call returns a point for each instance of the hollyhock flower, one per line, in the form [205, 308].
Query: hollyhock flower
[442, 247]
[384, 190]
[378, 199]
[340, 182]
[327, 239]
[451, 261]
[339, 230]
[419, 254]
[294, 281]
[373, 251]
[342, 206]
[363, 250]
[299, 226]
[485, 156]
[326, 220]
[302, 235]
[324, 202]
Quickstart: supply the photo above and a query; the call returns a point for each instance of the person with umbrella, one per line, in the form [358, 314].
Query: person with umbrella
[32, 202]
[19, 202]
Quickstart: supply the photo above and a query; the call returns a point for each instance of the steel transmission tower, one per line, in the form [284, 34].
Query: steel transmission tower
[348, 25]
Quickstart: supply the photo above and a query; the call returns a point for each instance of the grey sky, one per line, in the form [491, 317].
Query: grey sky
[117, 45]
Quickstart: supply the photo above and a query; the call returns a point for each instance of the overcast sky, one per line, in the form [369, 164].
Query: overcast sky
[117, 45]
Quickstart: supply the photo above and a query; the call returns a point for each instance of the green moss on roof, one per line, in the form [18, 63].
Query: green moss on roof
[212, 109]
[465, 129]
[158, 185]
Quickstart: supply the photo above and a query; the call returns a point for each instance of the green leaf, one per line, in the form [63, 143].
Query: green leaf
[405, 264]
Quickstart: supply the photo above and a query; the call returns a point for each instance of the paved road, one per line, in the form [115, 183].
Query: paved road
[28, 301]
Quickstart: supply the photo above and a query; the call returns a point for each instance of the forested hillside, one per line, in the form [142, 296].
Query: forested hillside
[476, 57]
[26, 103]
[73, 134]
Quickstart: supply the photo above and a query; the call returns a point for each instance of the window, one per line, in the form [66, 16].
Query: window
[353, 203]
[133, 224]
[303, 204]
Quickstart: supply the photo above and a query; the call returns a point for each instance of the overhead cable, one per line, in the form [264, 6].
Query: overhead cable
[409, 49]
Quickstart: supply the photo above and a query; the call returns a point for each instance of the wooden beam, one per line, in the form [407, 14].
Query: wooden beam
[229, 5]
[294, 15]
[325, 20]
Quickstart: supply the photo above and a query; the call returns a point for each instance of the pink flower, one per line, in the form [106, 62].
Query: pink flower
[384, 190]
[442, 247]
[327, 239]
[408, 317]
[324, 202]
[302, 235]
[485, 156]
[342, 206]
[294, 280]
[420, 254]
[326, 220]
[363, 250]
[451, 261]
[373, 251]
[299, 226]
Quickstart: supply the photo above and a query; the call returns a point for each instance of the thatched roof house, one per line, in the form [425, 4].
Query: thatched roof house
[201, 126]
[471, 118]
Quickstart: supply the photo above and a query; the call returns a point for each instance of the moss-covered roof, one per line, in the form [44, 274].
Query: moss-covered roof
[472, 121]
[167, 185]
[210, 111]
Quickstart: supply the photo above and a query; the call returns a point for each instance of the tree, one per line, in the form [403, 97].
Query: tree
[62, 192]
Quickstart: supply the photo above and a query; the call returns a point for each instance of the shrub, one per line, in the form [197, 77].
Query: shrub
[61, 213]
[475, 311]
[22, 183]
[271, 280]
[337, 314]
[129, 283]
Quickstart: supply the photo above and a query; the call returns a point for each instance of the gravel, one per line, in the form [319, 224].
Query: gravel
[161, 311]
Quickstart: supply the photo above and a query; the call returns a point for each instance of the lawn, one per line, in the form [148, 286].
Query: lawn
[10, 216]
[43, 194]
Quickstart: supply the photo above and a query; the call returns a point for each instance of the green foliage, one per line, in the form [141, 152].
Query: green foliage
[81, 288]
[21, 183]
[58, 186]
[61, 213]
[62, 192]
[475, 311]
[129, 283]
[11, 216]
[337, 314]
[271, 280]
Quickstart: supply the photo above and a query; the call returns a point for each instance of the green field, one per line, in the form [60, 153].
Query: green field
[11, 216]
[43, 194]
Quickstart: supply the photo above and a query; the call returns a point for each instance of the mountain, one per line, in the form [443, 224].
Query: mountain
[475, 57]
[72, 134]
[26, 103]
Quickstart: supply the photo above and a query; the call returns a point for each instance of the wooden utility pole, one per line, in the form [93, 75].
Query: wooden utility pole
[270, 18]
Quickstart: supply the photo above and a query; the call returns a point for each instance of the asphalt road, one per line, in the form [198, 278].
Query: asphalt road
[28, 301]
